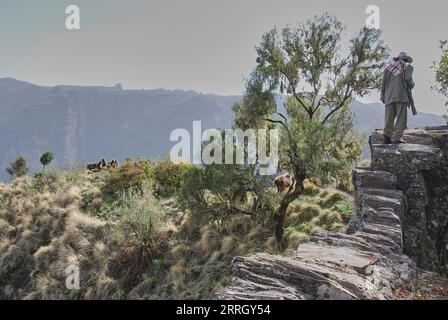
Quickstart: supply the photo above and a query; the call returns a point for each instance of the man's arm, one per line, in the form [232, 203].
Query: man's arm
[408, 78]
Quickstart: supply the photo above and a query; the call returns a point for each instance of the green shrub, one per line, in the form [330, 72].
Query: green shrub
[218, 192]
[130, 176]
[44, 179]
[141, 217]
[168, 177]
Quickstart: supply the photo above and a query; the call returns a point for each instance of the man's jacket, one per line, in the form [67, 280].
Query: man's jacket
[396, 87]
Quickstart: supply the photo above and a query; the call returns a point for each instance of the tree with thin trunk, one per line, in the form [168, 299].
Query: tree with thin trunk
[304, 66]
[46, 159]
[18, 168]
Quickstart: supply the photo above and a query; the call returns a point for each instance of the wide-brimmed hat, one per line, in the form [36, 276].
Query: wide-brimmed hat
[405, 57]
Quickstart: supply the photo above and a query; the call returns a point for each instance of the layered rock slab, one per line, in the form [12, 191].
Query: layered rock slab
[331, 266]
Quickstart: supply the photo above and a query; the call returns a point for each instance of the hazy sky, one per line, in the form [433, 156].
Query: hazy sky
[204, 45]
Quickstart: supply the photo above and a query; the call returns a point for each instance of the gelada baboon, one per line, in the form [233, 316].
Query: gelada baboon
[284, 182]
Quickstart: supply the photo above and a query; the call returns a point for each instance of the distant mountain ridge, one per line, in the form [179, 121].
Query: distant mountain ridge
[84, 124]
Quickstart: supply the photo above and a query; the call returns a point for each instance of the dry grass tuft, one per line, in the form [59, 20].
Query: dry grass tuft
[215, 256]
[178, 273]
[331, 199]
[271, 244]
[229, 243]
[78, 220]
[69, 196]
[5, 228]
[310, 188]
[180, 251]
[240, 224]
[299, 213]
[186, 225]
[210, 239]
[296, 238]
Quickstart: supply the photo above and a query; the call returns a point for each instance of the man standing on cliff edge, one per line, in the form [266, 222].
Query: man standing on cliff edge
[397, 96]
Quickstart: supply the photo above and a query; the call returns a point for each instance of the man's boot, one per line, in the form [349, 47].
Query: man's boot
[387, 139]
[399, 141]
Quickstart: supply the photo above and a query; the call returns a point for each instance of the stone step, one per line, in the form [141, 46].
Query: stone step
[394, 233]
[395, 195]
[381, 203]
[382, 217]
[384, 244]
[391, 232]
[341, 240]
[364, 178]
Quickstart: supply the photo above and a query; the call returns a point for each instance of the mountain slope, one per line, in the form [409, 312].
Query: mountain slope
[85, 124]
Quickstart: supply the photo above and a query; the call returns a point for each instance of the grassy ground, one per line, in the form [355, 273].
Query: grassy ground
[134, 244]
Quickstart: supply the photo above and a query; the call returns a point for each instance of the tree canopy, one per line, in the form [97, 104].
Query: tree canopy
[46, 159]
[304, 66]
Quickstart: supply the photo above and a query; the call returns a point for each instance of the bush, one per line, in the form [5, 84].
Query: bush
[168, 176]
[18, 168]
[141, 217]
[218, 192]
[44, 179]
[131, 176]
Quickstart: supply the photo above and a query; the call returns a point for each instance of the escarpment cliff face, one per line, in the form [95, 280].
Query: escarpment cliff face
[401, 201]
